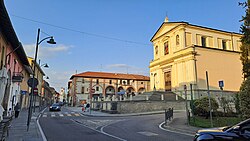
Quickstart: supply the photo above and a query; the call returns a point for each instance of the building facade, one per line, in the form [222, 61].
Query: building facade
[86, 85]
[13, 64]
[183, 53]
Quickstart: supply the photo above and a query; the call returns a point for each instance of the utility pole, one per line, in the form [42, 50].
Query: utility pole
[187, 112]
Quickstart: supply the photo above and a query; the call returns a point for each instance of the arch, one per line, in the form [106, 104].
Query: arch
[141, 90]
[120, 89]
[130, 90]
[110, 90]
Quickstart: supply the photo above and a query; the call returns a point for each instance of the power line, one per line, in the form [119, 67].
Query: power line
[78, 31]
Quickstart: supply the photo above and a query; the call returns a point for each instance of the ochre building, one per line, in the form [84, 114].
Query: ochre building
[84, 86]
[183, 52]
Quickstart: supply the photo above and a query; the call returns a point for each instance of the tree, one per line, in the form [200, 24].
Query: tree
[245, 40]
[245, 98]
[244, 94]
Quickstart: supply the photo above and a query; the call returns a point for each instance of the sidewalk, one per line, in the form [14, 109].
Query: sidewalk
[179, 123]
[18, 130]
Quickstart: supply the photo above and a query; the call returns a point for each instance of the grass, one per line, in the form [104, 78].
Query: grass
[217, 121]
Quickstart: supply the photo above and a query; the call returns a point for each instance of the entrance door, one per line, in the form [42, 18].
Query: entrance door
[167, 76]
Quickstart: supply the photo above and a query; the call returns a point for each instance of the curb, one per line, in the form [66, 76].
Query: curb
[174, 130]
[122, 115]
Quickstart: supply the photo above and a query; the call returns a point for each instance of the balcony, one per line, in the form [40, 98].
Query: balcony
[17, 77]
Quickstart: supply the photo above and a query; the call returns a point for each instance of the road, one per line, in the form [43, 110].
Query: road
[69, 125]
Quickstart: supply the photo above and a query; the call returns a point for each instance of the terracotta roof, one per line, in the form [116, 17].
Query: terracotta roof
[108, 75]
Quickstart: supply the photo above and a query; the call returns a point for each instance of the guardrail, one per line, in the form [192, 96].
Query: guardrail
[169, 115]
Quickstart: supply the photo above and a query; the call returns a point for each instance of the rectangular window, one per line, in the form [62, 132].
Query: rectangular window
[120, 82]
[128, 82]
[203, 41]
[166, 48]
[97, 88]
[141, 82]
[97, 81]
[82, 90]
[110, 81]
[82, 80]
[224, 44]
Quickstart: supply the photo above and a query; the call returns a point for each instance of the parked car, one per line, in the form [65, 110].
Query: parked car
[238, 132]
[55, 107]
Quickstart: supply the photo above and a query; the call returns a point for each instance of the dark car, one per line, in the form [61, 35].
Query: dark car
[238, 132]
[55, 107]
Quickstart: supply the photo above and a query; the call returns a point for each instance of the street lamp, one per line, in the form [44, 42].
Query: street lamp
[154, 74]
[51, 41]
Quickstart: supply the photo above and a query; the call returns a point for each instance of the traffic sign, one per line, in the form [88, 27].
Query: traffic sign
[35, 91]
[30, 81]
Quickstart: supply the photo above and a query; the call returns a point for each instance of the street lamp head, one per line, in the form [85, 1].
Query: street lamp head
[51, 41]
[46, 65]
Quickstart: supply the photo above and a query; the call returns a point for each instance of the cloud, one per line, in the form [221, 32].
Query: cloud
[57, 81]
[45, 51]
[124, 68]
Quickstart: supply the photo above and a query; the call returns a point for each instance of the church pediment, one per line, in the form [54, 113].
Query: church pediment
[164, 28]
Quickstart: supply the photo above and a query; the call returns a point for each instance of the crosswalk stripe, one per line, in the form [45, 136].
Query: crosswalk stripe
[69, 115]
[53, 115]
[44, 115]
[61, 115]
[77, 115]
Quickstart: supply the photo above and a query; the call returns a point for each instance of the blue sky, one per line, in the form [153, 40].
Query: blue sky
[108, 35]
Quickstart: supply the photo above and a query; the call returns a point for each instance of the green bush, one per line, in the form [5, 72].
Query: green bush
[244, 96]
[201, 106]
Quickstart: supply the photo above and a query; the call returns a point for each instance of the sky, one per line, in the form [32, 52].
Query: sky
[108, 35]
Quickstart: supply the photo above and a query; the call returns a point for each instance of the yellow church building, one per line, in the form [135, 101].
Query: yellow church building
[183, 52]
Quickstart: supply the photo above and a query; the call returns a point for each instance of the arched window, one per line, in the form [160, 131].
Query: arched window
[177, 40]
[156, 50]
[166, 48]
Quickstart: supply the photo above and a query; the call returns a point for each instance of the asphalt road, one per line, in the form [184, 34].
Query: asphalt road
[72, 126]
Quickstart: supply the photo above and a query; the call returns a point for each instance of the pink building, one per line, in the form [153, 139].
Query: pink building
[13, 63]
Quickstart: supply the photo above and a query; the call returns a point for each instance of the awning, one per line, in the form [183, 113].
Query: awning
[121, 92]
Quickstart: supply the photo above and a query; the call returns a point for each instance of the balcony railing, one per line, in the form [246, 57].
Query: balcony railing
[17, 77]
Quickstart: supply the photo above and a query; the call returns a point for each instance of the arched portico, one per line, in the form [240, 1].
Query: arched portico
[109, 91]
[141, 90]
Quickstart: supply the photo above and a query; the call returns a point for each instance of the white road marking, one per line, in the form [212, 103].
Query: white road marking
[44, 115]
[77, 115]
[145, 133]
[53, 115]
[100, 131]
[69, 115]
[61, 115]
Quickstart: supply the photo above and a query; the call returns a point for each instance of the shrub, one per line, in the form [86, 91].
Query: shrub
[244, 96]
[201, 106]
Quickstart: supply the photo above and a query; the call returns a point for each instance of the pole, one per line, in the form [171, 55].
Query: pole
[187, 112]
[192, 102]
[209, 100]
[90, 93]
[33, 82]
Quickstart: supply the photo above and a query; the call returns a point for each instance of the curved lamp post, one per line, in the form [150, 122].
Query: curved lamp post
[50, 41]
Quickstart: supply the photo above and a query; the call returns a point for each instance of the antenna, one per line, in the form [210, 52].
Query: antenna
[101, 68]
